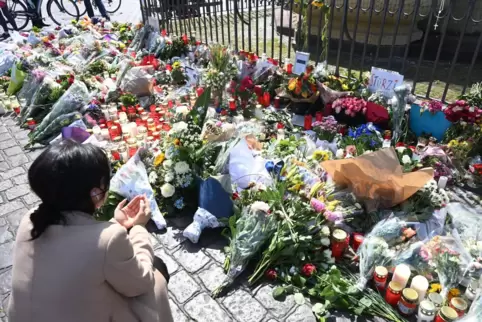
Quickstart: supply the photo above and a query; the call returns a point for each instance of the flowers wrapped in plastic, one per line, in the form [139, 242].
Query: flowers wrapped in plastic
[250, 231]
[72, 100]
[475, 311]
[131, 180]
[375, 249]
[214, 203]
[466, 226]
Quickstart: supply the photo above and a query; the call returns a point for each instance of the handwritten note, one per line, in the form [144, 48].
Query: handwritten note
[384, 81]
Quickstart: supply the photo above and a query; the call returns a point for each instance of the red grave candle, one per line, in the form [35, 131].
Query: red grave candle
[308, 121]
[266, 99]
[258, 90]
[277, 102]
[232, 104]
[394, 293]
[357, 240]
[289, 68]
[339, 243]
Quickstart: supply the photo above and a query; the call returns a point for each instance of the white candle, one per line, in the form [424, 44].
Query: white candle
[420, 284]
[133, 129]
[442, 182]
[401, 274]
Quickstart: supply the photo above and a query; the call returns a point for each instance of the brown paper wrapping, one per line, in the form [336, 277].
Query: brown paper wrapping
[377, 178]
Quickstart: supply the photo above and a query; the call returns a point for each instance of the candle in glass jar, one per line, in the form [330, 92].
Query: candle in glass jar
[436, 300]
[258, 90]
[420, 284]
[471, 290]
[115, 153]
[357, 241]
[97, 132]
[407, 305]
[266, 99]
[123, 118]
[114, 132]
[31, 124]
[393, 293]
[339, 243]
[380, 277]
[151, 126]
[289, 66]
[446, 314]
[133, 129]
[459, 305]
[124, 155]
[113, 113]
[232, 104]
[426, 311]
[308, 121]
[276, 102]
[401, 274]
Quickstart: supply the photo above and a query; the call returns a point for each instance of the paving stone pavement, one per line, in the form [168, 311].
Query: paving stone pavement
[195, 269]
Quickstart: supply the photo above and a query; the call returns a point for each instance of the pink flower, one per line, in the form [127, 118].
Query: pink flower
[425, 254]
[333, 215]
[308, 270]
[317, 205]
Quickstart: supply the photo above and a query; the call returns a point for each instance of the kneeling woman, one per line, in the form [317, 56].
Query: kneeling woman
[68, 266]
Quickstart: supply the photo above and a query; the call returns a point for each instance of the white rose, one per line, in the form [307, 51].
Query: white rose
[179, 126]
[183, 109]
[260, 206]
[340, 153]
[152, 177]
[169, 177]
[181, 167]
[167, 164]
[406, 159]
[325, 230]
[325, 241]
[167, 190]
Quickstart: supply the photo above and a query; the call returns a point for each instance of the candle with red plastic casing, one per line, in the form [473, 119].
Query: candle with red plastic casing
[357, 241]
[232, 104]
[339, 242]
[266, 99]
[308, 121]
[276, 102]
[258, 90]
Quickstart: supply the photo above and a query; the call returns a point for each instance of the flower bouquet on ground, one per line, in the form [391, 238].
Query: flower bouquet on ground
[326, 129]
[350, 110]
[221, 70]
[376, 249]
[462, 111]
[302, 89]
[215, 204]
[178, 74]
[362, 139]
[250, 230]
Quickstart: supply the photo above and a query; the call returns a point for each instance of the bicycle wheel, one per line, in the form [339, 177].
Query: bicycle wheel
[56, 10]
[69, 7]
[112, 6]
[19, 12]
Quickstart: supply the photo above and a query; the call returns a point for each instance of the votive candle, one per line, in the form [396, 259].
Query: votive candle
[401, 275]
[420, 284]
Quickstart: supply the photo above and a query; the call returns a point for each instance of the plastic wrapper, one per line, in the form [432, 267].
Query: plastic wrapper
[39, 107]
[7, 59]
[377, 178]
[466, 225]
[31, 83]
[246, 168]
[475, 312]
[214, 203]
[138, 80]
[253, 228]
[77, 124]
[72, 100]
[329, 95]
[131, 180]
[16, 80]
[376, 249]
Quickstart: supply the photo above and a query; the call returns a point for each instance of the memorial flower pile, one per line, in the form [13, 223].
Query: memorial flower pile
[320, 184]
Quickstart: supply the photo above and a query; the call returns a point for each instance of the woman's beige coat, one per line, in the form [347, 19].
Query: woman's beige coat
[86, 271]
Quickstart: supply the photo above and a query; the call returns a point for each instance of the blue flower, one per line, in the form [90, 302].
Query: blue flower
[179, 203]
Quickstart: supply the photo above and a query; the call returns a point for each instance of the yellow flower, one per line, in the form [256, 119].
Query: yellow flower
[435, 288]
[318, 4]
[304, 94]
[292, 84]
[176, 64]
[322, 155]
[344, 87]
[453, 143]
[159, 159]
[177, 142]
[454, 292]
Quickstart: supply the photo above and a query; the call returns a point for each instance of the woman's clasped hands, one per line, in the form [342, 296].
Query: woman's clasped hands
[137, 212]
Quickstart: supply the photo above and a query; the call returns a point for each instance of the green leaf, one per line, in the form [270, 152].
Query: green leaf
[366, 302]
[299, 298]
[278, 292]
[299, 281]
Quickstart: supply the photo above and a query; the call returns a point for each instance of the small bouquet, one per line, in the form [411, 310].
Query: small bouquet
[326, 129]
[448, 258]
[461, 111]
[405, 157]
[178, 74]
[251, 231]
[350, 106]
[432, 106]
[376, 247]
[302, 88]
[214, 203]
[362, 139]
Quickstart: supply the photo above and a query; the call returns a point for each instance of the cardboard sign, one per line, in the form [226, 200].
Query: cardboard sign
[384, 81]
[301, 61]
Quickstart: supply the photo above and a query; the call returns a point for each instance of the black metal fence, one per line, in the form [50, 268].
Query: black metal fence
[435, 44]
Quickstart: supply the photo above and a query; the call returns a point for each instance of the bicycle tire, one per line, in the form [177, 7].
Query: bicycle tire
[114, 7]
[55, 18]
[18, 9]
[71, 11]
[82, 8]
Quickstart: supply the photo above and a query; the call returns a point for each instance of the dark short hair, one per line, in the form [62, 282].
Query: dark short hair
[63, 177]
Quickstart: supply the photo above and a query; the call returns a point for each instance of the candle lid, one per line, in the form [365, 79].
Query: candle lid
[473, 286]
[339, 235]
[436, 299]
[427, 307]
[259, 106]
[380, 270]
[447, 313]
[395, 286]
[410, 294]
[459, 303]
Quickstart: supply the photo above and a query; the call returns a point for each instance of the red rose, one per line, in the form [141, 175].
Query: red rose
[280, 125]
[163, 33]
[235, 196]
[247, 82]
[308, 270]
[271, 274]
[242, 88]
[224, 112]
[185, 39]
[169, 67]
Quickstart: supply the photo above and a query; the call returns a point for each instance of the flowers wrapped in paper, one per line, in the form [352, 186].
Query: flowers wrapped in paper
[132, 180]
[377, 178]
[214, 203]
[253, 228]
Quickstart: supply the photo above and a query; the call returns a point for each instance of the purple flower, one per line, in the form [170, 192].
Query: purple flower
[333, 215]
[317, 205]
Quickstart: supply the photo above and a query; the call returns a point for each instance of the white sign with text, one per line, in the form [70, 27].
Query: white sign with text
[384, 81]
[301, 61]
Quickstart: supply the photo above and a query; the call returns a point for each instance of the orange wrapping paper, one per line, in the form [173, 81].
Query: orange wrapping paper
[377, 178]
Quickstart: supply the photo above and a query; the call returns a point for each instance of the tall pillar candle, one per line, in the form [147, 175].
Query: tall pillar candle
[420, 284]
[401, 275]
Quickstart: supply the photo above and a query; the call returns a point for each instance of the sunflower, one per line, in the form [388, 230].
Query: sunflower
[159, 159]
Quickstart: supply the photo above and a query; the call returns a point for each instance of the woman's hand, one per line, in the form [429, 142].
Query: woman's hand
[137, 212]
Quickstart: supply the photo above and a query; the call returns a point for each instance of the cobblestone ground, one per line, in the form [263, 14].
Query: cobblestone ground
[195, 269]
